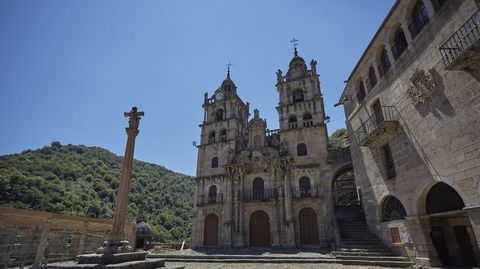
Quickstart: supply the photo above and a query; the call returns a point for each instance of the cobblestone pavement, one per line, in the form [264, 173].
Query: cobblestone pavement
[269, 266]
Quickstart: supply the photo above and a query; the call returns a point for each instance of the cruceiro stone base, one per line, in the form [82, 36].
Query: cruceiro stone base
[132, 260]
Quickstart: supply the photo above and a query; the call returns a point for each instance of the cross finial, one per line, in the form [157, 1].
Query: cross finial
[295, 44]
[134, 118]
[228, 69]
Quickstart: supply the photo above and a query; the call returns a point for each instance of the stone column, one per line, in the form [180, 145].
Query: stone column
[289, 222]
[83, 237]
[117, 242]
[419, 228]
[39, 256]
[228, 207]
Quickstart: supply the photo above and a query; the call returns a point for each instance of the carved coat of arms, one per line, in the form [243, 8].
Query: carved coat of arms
[420, 92]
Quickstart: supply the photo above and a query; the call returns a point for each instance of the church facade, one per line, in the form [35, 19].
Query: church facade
[257, 187]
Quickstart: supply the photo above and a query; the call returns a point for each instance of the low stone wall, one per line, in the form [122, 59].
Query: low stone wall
[32, 237]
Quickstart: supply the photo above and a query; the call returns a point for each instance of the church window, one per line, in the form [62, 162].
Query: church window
[305, 187]
[302, 149]
[292, 122]
[307, 120]
[297, 95]
[384, 62]
[219, 115]
[211, 137]
[257, 142]
[215, 162]
[400, 43]
[223, 135]
[212, 194]
[258, 188]
[419, 18]
[360, 91]
[392, 209]
[372, 78]
[389, 164]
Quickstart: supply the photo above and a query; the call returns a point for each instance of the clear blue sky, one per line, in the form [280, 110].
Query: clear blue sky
[69, 69]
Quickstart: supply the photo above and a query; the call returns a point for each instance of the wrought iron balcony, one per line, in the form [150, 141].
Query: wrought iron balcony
[461, 49]
[257, 195]
[305, 192]
[210, 199]
[378, 124]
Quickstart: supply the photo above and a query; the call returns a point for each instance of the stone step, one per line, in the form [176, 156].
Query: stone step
[171, 267]
[356, 241]
[142, 264]
[372, 258]
[363, 246]
[349, 249]
[361, 253]
[386, 263]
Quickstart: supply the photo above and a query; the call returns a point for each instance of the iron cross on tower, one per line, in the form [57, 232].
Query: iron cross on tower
[295, 44]
[228, 69]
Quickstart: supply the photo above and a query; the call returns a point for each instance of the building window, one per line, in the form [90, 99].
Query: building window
[395, 235]
[389, 165]
[360, 92]
[372, 78]
[392, 209]
[307, 120]
[211, 137]
[223, 135]
[258, 189]
[212, 194]
[219, 115]
[400, 43]
[443, 198]
[292, 122]
[301, 149]
[305, 187]
[384, 62]
[215, 162]
[437, 4]
[419, 19]
[297, 95]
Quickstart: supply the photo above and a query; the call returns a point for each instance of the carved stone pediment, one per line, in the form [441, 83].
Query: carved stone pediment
[423, 85]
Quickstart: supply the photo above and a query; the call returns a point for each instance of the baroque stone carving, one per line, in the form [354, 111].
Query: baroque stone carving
[420, 92]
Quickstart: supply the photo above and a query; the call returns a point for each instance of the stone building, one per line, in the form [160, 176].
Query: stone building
[412, 106]
[257, 187]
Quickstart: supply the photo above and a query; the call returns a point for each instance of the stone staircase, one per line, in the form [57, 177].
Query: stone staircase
[359, 245]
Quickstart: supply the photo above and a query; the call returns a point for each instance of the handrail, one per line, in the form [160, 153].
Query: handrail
[210, 199]
[387, 113]
[257, 195]
[302, 192]
[461, 40]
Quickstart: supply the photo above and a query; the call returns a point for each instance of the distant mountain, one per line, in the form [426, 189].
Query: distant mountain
[80, 180]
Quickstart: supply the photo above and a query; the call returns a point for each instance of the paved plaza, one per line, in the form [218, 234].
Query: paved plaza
[269, 266]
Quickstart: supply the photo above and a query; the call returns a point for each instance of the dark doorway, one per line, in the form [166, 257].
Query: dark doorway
[210, 232]
[344, 189]
[140, 243]
[308, 227]
[259, 229]
[440, 245]
[466, 247]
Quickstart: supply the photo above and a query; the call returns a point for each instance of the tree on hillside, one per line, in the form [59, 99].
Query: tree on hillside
[338, 139]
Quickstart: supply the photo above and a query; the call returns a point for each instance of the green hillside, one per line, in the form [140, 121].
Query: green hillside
[80, 180]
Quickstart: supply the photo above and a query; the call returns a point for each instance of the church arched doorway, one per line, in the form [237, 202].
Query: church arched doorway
[259, 229]
[308, 227]
[210, 231]
[344, 190]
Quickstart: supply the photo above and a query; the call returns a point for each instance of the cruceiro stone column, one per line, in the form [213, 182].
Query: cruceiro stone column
[116, 241]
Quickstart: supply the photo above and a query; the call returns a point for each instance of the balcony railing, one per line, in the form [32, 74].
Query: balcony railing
[460, 41]
[272, 132]
[255, 195]
[375, 123]
[305, 192]
[210, 199]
